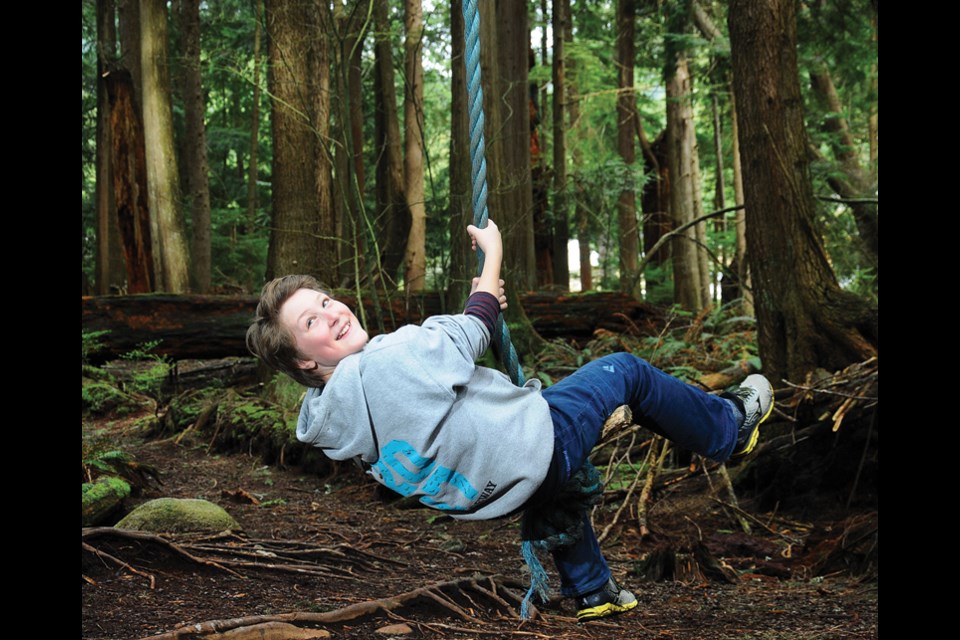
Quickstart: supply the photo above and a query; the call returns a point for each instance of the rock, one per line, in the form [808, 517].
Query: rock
[177, 515]
[395, 630]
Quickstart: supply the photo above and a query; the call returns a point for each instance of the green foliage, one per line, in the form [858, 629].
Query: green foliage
[622, 475]
[99, 398]
[90, 343]
[687, 346]
[840, 35]
[100, 457]
[150, 379]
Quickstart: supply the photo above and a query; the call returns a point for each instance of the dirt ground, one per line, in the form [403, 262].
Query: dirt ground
[416, 547]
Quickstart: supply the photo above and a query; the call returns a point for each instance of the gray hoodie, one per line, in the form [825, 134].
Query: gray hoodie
[433, 424]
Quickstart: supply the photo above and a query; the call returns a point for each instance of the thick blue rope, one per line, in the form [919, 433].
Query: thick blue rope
[478, 160]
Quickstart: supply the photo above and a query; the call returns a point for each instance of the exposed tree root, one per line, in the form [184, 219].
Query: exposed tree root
[443, 594]
[223, 551]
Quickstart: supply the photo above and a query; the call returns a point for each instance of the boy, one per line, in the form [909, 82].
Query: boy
[413, 405]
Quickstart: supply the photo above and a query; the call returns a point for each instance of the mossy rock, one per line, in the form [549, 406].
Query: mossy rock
[100, 499]
[178, 515]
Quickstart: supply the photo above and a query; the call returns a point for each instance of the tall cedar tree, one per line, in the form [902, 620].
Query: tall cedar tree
[805, 319]
[461, 194]
[582, 214]
[163, 181]
[416, 258]
[195, 149]
[302, 238]
[110, 272]
[561, 207]
[626, 128]
[690, 270]
[129, 168]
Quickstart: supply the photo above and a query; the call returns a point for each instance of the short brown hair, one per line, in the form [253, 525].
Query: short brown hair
[272, 342]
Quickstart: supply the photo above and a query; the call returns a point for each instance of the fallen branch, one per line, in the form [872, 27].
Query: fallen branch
[647, 492]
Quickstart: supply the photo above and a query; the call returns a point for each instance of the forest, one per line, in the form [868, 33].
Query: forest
[692, 181]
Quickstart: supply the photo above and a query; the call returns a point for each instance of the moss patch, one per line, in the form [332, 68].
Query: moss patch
[101, 498]
[100, 398]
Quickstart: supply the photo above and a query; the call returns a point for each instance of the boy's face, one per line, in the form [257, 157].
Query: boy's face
[326, 331]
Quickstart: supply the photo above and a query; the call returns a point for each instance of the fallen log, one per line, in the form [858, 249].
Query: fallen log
[192, 326]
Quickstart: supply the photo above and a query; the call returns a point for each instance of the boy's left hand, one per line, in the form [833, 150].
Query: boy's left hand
[502, 297]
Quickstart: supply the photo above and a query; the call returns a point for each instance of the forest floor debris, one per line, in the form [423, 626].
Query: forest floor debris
[370, 550]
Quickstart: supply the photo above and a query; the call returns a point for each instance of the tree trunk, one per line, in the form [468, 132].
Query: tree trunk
[684, 186]
[513, 43]
[461, 209]
[626, 128]
[252, 165]
[852, 181]
[741, 261]
[393, 216]
[805, 320]
[195, 147]
[719, 202]
[129, 13]
[129, 170]
[655, 202]
[582, 214]
[350, 25]
[110, 270]
[346, 42]
[503, 60]
[316, 34]
[163, 185]
[302, 238]
[561, 223]
[416, 258]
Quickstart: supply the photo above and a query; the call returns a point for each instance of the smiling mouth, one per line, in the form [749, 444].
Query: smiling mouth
[344, 331]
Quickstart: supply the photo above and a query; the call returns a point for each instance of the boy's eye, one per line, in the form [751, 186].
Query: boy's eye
[310, 322]
[326, 302]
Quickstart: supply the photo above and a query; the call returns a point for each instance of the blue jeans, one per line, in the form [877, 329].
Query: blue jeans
[581, 403]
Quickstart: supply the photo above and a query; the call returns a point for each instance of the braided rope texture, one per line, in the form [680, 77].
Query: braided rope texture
[478, 161]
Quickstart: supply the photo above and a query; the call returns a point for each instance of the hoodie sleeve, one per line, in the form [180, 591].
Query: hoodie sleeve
[456, 337]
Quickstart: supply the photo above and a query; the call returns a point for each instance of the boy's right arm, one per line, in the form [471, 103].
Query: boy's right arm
[490, 241]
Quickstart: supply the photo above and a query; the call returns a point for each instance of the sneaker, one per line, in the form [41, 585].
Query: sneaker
[756, 395]
[610, 600]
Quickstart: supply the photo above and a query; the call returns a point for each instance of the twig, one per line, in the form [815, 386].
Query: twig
[623, 505]
[849, 200]
[433, 626]
[648, 488]
[732, 496]
[863, 459]
[119, 562]
[830, 392]
[758, 521]
[699, 530]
